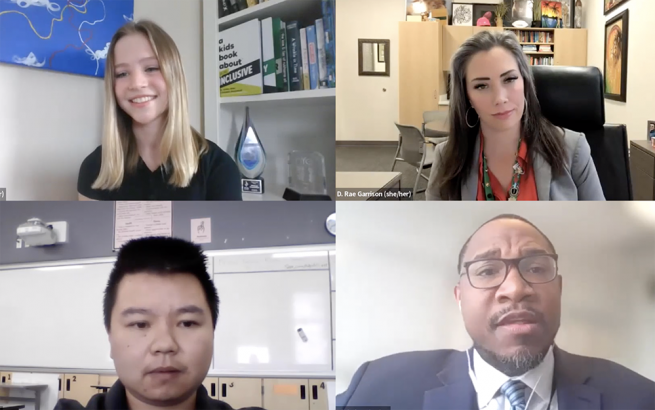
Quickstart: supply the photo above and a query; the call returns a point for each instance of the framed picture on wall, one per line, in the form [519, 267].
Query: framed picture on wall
[610, 5]
[462, 14]
[650, 134]
[616, 57]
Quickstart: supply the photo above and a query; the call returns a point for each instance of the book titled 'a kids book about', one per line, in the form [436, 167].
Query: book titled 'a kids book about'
[240, 60]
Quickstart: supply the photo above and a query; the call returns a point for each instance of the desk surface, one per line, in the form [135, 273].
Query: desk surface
[645, 145]
[366, 180]
[23, 386]
[11, 406]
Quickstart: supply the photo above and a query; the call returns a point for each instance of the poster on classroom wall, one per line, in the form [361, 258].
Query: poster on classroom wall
[70, 36]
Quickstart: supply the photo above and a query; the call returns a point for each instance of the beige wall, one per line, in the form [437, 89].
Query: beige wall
[364, 111]
[640, 102]
[42, 148]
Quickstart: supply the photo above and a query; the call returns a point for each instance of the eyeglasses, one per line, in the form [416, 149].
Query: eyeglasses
[492, 272]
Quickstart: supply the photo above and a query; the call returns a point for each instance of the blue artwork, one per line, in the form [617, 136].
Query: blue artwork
[72, 36]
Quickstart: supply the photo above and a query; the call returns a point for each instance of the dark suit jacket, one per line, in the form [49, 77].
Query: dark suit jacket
[439, 380]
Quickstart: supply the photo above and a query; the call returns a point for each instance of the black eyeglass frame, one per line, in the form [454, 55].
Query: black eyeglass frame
[508, 264]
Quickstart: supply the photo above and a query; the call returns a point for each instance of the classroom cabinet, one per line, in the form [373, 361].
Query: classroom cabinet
[78, 387]
[241, 392]
[107, 380]
[5, 377]
[318, 395]
[286, 394]
[211, 384]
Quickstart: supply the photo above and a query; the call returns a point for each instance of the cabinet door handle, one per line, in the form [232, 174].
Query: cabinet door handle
[314, 392]
[223, 390]
[302, 392]
[213, 390]
[59, 384]
[68, 384]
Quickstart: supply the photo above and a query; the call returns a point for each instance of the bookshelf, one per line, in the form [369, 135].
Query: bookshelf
[285, 121]
[567, 46]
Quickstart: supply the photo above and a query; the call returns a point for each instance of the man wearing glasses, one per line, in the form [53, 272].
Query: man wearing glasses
[509, 294]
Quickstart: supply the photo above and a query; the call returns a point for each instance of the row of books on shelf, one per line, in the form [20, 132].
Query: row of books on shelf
[271, 56]
[542, 48]
[227, 7]
[535, 36]
[541, 60]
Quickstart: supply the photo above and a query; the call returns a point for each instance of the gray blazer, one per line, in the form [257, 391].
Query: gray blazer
[578, 182]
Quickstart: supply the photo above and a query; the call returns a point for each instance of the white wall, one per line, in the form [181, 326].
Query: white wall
[398, 266]
[638, 108]
[50, 121]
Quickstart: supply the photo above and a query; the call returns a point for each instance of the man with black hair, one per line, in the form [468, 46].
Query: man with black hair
[160, 312]
[509, 294]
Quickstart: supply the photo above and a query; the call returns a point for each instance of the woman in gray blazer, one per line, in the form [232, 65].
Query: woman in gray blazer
[500, 146]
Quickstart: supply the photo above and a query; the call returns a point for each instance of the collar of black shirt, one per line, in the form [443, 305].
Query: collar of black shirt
[116, 399]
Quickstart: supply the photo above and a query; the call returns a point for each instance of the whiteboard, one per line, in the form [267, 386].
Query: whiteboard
[52, 317]
[265, 299]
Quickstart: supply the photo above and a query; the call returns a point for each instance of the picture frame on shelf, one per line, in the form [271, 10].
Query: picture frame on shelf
[616, 57]
[650, 131]
[480, 9]
[462, 14]
[518, 10]
[611, 5]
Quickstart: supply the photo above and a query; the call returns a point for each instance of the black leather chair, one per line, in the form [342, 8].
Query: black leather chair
[572, 97]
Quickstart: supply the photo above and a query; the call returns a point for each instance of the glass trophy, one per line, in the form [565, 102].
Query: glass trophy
[306, 176]
[250, 157]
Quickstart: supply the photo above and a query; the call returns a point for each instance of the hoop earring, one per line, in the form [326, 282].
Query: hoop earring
[467, 119]
[525, 111]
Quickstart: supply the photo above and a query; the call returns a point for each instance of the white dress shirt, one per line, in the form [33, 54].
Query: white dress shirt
[489, 380]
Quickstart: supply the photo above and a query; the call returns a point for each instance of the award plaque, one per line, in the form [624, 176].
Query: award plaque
[250, 157]
[306, 177]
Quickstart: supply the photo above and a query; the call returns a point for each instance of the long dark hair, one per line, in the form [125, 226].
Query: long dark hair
[540, 135]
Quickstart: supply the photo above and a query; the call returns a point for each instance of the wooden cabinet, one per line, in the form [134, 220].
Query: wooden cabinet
[240, 392]
[78, 387]
[318, 395]
[477, 29]
[453, 38]
[419, 70]
[642, 170]
[570, 47]
[286, 394]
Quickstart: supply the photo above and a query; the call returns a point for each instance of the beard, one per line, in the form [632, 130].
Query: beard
[516, 364]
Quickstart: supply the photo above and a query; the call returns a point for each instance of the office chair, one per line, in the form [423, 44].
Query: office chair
[572, 97]
[414, 150]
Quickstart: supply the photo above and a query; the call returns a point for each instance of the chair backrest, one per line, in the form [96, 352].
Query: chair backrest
[572, 97]
[412, 144]
[433, 116]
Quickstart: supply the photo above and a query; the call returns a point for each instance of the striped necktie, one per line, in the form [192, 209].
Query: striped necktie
[514, 392]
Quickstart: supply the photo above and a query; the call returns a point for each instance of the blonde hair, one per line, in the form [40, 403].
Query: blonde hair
[181, 145]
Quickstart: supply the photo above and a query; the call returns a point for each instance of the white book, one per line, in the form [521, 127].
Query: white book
[305, 59]
[240, 60]
[322, 64]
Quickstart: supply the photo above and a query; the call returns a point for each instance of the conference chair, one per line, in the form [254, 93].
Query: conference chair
[414, 150]
[572, 97]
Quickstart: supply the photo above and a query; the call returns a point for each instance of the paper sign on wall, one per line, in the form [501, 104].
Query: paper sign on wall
[137, 219]
[201, 230]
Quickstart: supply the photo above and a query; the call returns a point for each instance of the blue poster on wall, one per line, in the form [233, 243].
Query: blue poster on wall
[71, 36]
